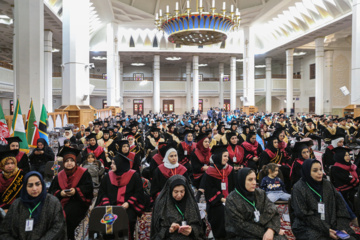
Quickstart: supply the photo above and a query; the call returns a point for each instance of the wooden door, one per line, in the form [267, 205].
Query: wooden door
[227, 105]
[311, 104]
[138, 106]
[201, 105]
[168, 106]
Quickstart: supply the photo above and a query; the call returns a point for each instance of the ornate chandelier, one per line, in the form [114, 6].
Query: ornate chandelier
[198, 28]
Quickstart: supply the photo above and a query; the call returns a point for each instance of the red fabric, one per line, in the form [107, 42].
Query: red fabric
[204, 151]
[189, 149]
[131, 156]
[204, 159]
[331, 147]
[282, 145]
[221, 174]
[97, 152]
[270, 153]
[251, 147]
[158, 159]
[121, 182]
[238, 153]
[352, 170]
[72, 181]
[180, 170]
[132, 147]
[4, 183]
[19, 156]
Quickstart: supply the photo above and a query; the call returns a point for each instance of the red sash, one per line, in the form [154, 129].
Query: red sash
[97, 152]
[251, 147]
[180, 170]
[292, 166]
[158, 159]
[202, 158]
[131, 156]
[222, 175]
[189, 149]
[238, 153]
[19, 156]
[121, 182]
[66, 182]
[352, 170]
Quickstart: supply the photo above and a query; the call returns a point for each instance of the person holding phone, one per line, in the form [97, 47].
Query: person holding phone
[319, 212]
[40, 156]
[176, 214]
[73, 186]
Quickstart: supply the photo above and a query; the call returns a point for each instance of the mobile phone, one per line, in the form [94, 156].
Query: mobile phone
[183, 227]
[67, 190]
[342, 235]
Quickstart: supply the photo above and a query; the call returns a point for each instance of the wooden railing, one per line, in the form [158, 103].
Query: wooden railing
[55, 115]
[9, 119]
[96, 76]
[103, 113]
[6, 65]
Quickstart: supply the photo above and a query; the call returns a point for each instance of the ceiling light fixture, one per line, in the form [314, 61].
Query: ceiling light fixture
[55, 50]
[260, 66]
[203, 65]
[173, 58]
[138, 64]
[239, 60]
[299, 54]
[99, 58]
[199, 27]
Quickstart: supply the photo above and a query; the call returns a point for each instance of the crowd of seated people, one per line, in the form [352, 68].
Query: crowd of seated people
[242, 164]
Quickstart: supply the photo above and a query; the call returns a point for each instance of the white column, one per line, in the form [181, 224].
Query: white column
[249, 68]
[328, 79]
[196, 83]
[233, 83]
[111, 64]
[156, 92]
[289, 80]
[319, 75]
[29, 45]
[355, 57]
[268, 84]
[48, 70]
[188, 86]
[121, 84]
[221, 85]
[75, 84]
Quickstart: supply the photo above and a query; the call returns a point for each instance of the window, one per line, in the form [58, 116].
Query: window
[312, 71]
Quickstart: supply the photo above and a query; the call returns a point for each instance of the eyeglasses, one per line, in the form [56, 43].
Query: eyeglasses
[30, 185]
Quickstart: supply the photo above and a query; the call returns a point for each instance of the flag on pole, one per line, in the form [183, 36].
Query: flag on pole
[17, 128]
[4, 131]
[43, 124]
[32, 132]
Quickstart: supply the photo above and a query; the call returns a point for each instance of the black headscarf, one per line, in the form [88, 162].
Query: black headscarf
[258, 132]
[31, 202]
[339, 155]
[182, 203]
[270, 145]
[121, 144]
[306, 176]
[300, 149]
[240, 184]
[122, 164]
[249, 136]
[217, 160]
[229, 136]
[92, 148]
[43, 141]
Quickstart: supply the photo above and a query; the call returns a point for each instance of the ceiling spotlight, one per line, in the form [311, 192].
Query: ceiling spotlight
[99, 58]
[260, 66]
[203, 65]
[138, 64]
[239, 60]
[55, 50]
[299, 54]
[173, 58]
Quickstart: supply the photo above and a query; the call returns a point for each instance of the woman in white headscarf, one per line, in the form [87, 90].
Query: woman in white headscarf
[163, 172]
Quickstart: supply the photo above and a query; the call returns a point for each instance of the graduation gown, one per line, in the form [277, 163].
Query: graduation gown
[198, 161]
[162, 174]
[136, 161]
[116, 190]
[23, 162]
[251, 151]
[99, 154]
[211, 183]
[10, 189]
[328, 158]
[76, 206]
[184, 152]
[236, 156]
[329, 133]
[155, 161]
[295, 173]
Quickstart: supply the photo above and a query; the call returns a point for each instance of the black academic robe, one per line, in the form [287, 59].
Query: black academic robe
[295, 173]
[198, 161]
[249, 153]
[211, 183]
[116, 190]
[76, 206]
[328, 158]
[38, 162]
[23, 162]
[184, 159]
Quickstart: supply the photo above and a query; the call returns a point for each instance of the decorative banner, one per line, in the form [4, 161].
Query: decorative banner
[108, 219]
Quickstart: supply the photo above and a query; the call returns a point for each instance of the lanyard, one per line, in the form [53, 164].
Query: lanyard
[315, 192]
[180, 212]
[31, 211]
[222, 175]
[251, 203]
[173, 172]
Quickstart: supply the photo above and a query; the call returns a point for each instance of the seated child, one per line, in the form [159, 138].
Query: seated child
[272, 185]
[95, 168]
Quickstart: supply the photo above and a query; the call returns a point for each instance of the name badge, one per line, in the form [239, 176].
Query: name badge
[156, 147]
[234, 159]
[257, 216]
[183, 223]
[29, 225]
[185, 152]
[321, 210]
[223, 186]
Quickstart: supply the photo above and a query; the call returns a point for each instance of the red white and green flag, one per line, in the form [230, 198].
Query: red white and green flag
[32, 130]
[18, 129]
[4, 131]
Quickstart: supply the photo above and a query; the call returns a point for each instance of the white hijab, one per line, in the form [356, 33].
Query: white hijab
[335, 141]
[166, 161]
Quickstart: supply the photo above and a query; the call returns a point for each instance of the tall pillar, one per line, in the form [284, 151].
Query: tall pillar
[289, 80]
[156, 93]
[268, 84]
[75, 82]
[29, 44]
[196, 83]
[233, 83]
[221, 85]
[121, 84]
[48, 70]
[249, 68]
[188, 86]
[328, 79]
[111, 64]
[319, 75]
[355, 57]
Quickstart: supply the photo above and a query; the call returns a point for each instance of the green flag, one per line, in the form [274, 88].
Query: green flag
[32, 132]
[43, 124]
[17, 128]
